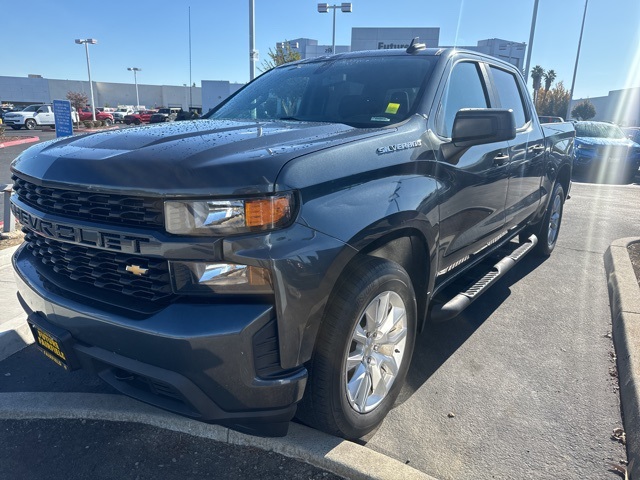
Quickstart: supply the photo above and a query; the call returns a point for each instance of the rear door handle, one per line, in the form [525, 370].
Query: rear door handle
[500, 159]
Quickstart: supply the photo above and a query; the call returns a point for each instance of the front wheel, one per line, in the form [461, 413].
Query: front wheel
[108, 122]
[363, 350]
[30, 124]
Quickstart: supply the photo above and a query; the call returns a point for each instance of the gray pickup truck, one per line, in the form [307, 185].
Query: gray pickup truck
[280, 255]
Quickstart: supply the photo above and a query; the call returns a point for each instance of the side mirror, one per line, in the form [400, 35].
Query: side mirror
[478, 126]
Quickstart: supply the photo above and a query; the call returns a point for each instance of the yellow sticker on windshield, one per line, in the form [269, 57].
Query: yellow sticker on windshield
[392, 108]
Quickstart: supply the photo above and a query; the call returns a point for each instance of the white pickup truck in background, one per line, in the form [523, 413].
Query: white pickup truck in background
[35, 116]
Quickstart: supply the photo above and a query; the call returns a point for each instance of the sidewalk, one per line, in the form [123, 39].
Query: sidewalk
[14, 331]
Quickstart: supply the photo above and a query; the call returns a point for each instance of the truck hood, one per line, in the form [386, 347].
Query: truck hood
[19, 115]
[201, 157]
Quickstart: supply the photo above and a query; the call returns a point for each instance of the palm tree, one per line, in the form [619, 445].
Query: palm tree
[549, 77]
[536, 76]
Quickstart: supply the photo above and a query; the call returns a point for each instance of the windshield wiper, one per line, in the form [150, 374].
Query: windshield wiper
[292, 118]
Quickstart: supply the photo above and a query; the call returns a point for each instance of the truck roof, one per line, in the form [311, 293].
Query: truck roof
[445, 52]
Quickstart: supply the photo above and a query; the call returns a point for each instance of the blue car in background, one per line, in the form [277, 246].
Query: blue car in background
[603, 153]
[633, 133]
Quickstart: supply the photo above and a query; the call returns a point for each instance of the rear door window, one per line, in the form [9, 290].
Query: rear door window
[509, 94]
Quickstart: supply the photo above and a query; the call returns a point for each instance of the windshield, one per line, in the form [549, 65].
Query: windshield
[31, 108]
[598, 130]
[362, 92]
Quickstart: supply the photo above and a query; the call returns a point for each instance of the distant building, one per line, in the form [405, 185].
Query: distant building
[372, 38]
[383, 38]
[22, 91]
[620, 106]
[309, 48]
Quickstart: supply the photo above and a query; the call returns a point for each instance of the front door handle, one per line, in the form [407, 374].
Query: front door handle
[538, 148]
[500, 159]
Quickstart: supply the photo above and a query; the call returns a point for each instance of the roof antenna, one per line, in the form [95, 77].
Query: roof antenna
[416, 46]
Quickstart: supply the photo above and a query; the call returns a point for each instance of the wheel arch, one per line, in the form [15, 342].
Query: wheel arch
[564, 178]
[409, 249]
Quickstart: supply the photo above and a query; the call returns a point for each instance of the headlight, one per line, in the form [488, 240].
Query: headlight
[581, 146]
[210, 217]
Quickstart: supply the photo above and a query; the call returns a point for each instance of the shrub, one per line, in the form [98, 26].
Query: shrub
[97, 123]
[88, 123]
[2, 127]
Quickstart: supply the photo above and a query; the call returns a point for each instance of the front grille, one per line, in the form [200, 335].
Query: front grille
[99, 207]
[102, 269]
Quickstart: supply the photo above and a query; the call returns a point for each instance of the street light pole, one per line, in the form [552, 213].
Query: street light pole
[344, 7]
[86, 42]
[135, 71]
[533, 30]
[253, 55]
[575, 68]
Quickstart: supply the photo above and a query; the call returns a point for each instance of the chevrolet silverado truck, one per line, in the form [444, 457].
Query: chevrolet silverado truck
[280, 255]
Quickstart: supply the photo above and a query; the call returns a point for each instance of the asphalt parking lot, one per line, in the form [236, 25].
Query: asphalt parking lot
[522, 385]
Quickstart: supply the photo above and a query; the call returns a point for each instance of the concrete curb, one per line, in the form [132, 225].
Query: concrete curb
[624, 295]
[329, 453]
[12, 143]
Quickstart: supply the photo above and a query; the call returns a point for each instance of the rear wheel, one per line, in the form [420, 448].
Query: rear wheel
[548, 229]
[30, 124]
[363, 350]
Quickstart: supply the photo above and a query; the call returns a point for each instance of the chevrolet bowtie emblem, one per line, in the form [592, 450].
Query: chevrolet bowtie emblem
[137, 270]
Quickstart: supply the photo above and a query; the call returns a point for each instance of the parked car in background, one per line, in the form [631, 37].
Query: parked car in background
[31, 117]
[165, 115]
[85, 114]
[121, 112]
[603, 153]
[186, 115]
[633, 133]
[4, 110]
[136, 118]
[550, 119]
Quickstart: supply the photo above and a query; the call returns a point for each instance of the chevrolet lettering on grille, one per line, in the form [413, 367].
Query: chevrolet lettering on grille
[81, 236]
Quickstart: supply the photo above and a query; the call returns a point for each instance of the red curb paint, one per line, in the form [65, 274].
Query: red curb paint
[11, 143]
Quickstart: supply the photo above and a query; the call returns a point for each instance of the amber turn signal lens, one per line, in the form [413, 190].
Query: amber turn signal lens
[267, 212]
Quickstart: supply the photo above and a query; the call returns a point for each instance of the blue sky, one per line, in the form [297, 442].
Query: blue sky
[38, 37]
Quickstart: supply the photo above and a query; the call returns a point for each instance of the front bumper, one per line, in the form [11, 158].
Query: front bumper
[196, 359]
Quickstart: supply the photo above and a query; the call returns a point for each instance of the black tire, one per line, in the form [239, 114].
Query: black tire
[127, 122]
[137, 121]
[108, 122]
[548, 229]
[329, 402]
[30, 124]
[16, 127]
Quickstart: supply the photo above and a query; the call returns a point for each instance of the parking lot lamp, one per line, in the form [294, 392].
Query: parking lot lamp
[344, 7]
[86, 42]
[135, 71]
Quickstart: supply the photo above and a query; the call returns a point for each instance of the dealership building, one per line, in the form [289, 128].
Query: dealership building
[387, 38]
